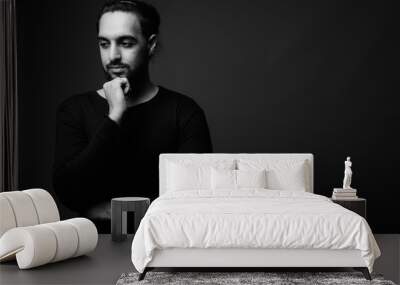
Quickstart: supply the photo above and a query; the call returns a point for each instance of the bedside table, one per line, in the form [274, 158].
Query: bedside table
[358, 205]
[119, 209]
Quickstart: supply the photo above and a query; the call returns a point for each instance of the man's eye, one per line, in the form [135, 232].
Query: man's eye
[127, 44]
[103, 44]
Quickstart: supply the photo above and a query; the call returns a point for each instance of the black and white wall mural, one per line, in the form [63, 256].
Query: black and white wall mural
[271, 76]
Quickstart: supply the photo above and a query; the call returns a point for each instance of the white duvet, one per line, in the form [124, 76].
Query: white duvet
[250, 218]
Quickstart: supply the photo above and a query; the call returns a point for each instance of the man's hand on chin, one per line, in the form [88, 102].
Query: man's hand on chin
[115, 91]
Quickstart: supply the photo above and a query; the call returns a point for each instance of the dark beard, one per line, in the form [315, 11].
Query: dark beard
[109, 77]
[135, 78]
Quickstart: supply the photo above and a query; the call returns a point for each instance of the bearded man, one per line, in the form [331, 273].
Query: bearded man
[108, 140]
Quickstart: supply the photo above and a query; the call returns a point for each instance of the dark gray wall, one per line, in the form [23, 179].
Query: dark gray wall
[272, 76]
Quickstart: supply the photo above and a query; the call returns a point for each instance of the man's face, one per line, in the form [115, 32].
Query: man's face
[123, 49]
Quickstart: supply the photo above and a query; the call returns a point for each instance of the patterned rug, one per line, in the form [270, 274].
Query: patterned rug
[269, 278]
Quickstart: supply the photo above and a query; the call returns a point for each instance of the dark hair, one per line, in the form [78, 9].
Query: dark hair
[147, 14]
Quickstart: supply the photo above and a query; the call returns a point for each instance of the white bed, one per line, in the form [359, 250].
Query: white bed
[198, 226]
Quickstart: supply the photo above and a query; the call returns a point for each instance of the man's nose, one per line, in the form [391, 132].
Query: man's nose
[114, 53]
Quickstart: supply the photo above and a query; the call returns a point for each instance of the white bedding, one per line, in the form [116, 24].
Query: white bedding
[250, 218]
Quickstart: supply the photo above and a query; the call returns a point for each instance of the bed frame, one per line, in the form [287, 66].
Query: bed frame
[245, 258]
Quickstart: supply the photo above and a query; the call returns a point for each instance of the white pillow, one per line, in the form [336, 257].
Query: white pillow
[284, 174]
[188, 177]
[237, 179]
[223, 179]
[189, 174]
[251, 178]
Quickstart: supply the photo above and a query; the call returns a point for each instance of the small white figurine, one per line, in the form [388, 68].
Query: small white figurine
[347, 174]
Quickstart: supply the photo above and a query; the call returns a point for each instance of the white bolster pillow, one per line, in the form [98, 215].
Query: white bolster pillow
[45, 206]
[7, 219]
[24, 211]
[87, 235]
[40, 244]
[26, 208]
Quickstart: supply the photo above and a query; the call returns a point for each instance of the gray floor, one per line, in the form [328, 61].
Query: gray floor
[102, 266]
[389, 262]
[110, 260]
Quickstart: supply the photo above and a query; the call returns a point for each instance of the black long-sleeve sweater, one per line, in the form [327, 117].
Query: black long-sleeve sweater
[97, 159]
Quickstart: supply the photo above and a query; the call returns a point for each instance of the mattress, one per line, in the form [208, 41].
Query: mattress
[250, 218]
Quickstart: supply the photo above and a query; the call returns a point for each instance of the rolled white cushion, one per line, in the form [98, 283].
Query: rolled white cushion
[67, 240]
[45, 205]
[23, 208]
[45, 243]
[7, 218]
[87, 235]
[33, 246]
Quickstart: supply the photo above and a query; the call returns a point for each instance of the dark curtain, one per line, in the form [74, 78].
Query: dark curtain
[8, 97]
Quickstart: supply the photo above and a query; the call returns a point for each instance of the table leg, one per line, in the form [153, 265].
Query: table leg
[118, 222]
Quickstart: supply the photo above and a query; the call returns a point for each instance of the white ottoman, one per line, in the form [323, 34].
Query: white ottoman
[31, 231]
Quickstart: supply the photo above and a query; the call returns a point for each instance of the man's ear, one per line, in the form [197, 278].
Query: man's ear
[151, 44]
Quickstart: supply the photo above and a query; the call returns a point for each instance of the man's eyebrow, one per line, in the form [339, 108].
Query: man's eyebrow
[102, 39]
[121, 38]
[127, 37]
